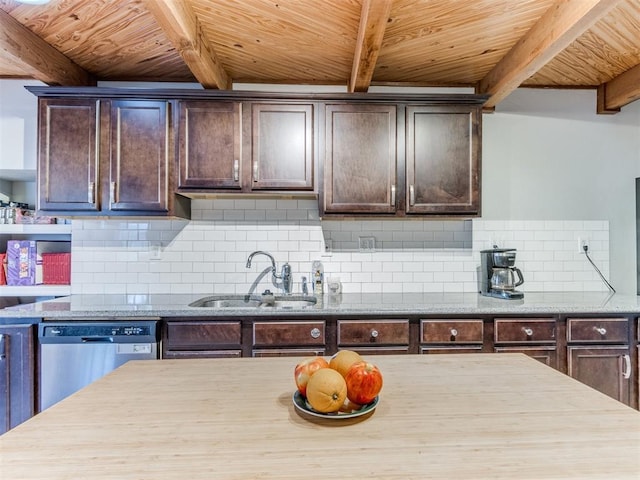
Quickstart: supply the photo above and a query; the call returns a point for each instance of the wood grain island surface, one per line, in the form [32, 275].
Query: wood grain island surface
[439, 417]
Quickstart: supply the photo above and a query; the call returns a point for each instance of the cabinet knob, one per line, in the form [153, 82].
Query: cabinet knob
[255, 171]
[601, 330]
[3, 346]
[374, 333]
[112, 192]
[528, 331]
[393, 195]
[92, 190]
[315, 332]
[412, 196]
[454, 332]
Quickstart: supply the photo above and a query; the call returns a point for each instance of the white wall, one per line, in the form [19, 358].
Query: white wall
[548, 156]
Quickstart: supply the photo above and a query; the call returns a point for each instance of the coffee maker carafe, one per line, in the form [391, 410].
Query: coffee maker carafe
[497, 276]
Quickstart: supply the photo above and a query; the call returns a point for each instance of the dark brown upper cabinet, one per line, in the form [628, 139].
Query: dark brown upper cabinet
[360, 159]
[401, 159]
[68, 171]
[245, 146]
[442, 157]
[106, 157]
[139, 156]
[281, 146]
[210, 145]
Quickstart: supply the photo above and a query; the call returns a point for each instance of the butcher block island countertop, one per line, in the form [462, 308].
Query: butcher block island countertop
[472, 416]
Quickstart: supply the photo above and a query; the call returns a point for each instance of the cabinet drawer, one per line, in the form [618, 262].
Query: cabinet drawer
[288, 333]
[599, 330]
[525, 330]
[379, 332]
[451, 331]
[203, 335]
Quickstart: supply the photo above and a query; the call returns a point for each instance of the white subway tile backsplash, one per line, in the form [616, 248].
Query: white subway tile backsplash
[208, 254]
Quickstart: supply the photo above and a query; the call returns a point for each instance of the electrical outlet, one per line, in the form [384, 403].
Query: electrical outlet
[367, 244]
[583, 242]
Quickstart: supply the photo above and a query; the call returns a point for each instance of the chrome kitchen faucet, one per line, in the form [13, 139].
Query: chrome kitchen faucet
[285, 277]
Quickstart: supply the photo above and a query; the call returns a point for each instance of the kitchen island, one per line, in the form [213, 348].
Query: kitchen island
[438, 417]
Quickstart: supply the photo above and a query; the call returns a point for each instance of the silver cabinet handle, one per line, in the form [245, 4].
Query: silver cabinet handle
[528, 331]
[112, 192]
[3, 346]
[454, 332]
[315, 333]
[374, 333]
[601, 330]
[255, 171]
[92, 192]
[393, 195]
[626, 371]
[412, 195]
[236, 170]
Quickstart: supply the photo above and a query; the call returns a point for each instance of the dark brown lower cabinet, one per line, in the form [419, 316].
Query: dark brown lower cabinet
[605, 368]
[293, 338]
[546, 355]
[202, 339]
[17, 375]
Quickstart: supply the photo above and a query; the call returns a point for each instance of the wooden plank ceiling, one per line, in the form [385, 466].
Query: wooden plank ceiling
[494, 46]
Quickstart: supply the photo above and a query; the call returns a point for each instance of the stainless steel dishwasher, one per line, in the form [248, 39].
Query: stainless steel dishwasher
[73, 354]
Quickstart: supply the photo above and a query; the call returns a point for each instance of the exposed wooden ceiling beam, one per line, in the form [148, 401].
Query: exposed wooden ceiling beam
[620, 91]
[36, 57]
[180, 24]
[557, 28]
[373, 21]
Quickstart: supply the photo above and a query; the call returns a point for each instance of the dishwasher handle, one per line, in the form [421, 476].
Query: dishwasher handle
[96, 339]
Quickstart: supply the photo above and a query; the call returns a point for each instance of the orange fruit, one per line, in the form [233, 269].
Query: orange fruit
[343, 360]
[326, 390]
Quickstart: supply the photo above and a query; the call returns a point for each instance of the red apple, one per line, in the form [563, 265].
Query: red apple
[305, 369]
[364, 382]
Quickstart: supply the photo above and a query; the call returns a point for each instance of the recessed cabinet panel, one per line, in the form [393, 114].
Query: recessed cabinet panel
[607, 369]
[69, 150]
[139, 156]
[210, 137]
[282, 147]
[360, 159]
[442, 160]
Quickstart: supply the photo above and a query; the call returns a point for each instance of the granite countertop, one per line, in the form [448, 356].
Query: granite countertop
[129, 306]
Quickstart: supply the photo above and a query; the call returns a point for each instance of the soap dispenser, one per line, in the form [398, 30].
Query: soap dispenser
[317, 276]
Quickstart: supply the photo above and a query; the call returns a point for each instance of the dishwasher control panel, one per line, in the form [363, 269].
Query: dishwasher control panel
[95, 330]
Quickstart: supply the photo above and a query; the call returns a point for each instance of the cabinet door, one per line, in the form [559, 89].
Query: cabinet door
[282, 147]
[360, 159]
[17, 375]
[68, 155]
[139, 160]
[607, 369]
[210, 138]
[443, 152]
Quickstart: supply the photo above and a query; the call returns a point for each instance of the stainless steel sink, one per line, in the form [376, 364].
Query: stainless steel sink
[255, 301]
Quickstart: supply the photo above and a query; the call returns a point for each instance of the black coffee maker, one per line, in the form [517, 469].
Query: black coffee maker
[497, 275]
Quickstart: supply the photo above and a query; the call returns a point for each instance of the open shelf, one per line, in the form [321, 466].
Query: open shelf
[36, 229]
[35, 291]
